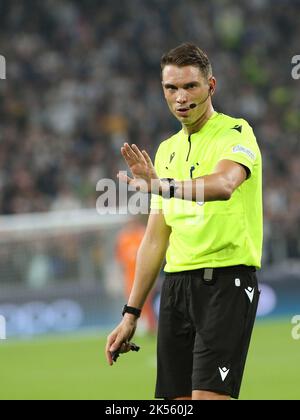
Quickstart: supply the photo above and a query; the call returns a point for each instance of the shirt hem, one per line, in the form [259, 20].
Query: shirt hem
[178, 269]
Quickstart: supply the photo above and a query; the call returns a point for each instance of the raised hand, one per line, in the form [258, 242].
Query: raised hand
[141, 167]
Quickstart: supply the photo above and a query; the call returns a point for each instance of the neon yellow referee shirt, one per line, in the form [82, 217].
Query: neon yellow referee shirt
[218, 233]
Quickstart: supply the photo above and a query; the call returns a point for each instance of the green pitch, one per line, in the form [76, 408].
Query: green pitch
[75, 368]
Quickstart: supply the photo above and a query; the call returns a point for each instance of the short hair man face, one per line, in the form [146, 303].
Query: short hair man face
[187, 80]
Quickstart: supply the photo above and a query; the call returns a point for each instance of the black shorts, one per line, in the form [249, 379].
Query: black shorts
[205, 327]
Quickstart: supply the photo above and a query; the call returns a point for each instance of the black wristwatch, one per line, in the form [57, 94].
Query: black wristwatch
[172, 187]
[130, 310]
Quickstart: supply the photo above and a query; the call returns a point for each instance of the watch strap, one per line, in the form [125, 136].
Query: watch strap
[131, 310]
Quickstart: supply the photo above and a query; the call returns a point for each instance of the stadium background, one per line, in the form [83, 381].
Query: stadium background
[81, 78]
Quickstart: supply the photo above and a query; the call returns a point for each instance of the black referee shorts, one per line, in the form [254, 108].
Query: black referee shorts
[205, 327]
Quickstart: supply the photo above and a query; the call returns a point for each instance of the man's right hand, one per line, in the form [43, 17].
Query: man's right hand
[120, 336]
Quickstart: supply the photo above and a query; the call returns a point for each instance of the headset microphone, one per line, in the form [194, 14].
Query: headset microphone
[193, 106]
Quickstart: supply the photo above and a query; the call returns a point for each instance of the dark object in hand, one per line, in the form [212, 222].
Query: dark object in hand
[115, 354]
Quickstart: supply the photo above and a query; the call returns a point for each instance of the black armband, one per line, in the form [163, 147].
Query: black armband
[130, 310]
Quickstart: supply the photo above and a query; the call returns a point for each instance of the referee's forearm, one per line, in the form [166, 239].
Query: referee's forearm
[149, 262]
[214, 187]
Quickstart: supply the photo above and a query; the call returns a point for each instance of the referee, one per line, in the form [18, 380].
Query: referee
[206, 219]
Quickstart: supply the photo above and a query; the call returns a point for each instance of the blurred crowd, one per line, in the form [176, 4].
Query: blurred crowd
[83, 76]
[59, 259]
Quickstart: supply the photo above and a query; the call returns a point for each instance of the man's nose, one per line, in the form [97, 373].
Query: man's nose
[181, 96]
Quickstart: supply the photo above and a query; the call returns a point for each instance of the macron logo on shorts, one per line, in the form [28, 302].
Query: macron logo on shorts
[224, 372]
[250, 293]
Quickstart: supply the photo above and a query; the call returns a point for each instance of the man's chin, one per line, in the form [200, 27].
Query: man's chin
[186, 120]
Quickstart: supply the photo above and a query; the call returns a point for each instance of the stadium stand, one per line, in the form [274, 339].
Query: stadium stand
[82, 77]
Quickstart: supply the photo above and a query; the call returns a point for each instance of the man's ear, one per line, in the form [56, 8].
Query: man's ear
[212, 85]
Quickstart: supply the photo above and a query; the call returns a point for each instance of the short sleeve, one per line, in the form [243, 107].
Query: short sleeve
[239, 145]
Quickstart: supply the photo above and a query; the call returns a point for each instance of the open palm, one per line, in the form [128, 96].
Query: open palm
[141, 167]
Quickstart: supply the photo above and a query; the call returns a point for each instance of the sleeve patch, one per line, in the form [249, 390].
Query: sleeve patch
[242, 149]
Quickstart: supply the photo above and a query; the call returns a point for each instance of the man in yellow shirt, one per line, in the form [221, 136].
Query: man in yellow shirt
[206, 218]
